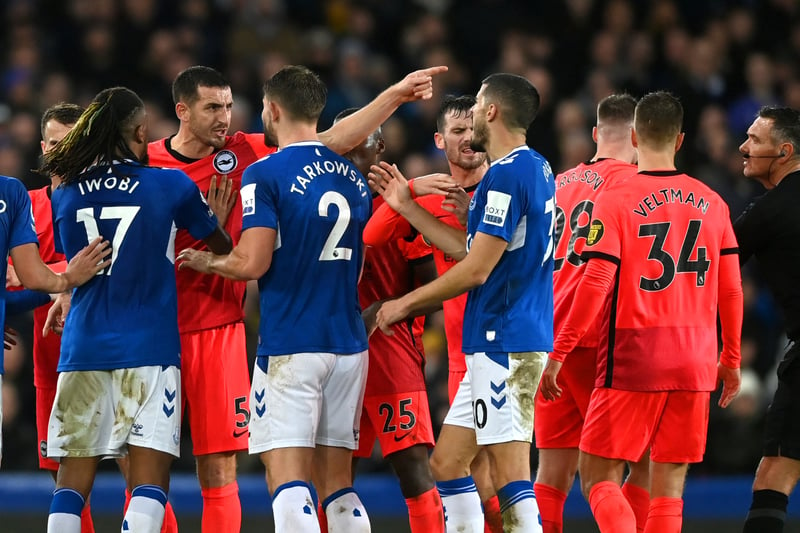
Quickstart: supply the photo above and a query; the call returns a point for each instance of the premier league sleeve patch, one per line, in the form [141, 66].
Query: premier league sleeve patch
[225, 161]
[496, 208]
[248, 194]
[596, 230]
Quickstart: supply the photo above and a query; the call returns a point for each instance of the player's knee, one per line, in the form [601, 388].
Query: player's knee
[447, 466]
[216, 470]
[413, 471]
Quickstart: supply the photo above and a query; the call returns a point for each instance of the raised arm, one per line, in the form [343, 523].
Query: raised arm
[393, 186]
[353, 129]
[250, 259]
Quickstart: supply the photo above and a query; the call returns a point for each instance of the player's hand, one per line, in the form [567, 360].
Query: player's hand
[417, 85]
[57, 314]
[11, 277]
[548, 384]
[369, 316]
[391, 184]
[8, 337]
[731, 381]
[195, 259]
[221, 199]
[457, 202]
[87, 263]
[390, 312]
[438, 183]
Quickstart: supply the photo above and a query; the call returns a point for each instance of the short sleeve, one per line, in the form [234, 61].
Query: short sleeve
[259, 202]
[23, 229]
[503, 204]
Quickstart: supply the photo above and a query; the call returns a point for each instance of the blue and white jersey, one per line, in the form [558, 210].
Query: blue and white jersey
[16, 228]
[318, 203]
[513, 310]
[127, 316]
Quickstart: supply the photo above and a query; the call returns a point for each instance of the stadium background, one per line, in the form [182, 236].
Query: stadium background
[724, 59]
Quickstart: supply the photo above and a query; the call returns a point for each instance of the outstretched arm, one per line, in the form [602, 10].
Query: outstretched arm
[34, 274]
[393, 186]
[250, 259]
[353, 129]
[473, 271]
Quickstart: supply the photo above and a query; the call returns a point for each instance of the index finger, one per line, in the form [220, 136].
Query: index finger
[432, 71]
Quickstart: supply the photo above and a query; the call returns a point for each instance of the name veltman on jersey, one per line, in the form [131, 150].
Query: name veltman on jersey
[513, 310]
[319, 216]
[127, 315]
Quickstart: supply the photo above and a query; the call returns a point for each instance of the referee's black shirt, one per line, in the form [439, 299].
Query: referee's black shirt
[770, 229]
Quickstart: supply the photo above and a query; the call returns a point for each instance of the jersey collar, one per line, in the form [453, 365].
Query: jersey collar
[517, 149]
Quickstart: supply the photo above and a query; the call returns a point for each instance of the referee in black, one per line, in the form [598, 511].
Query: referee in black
[770, 229]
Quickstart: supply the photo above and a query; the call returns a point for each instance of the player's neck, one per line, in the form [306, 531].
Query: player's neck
[619, 151]
[55, 181]
[656, 159]
[189, 146]
[502, 142]
[296, 133]
[468, 177]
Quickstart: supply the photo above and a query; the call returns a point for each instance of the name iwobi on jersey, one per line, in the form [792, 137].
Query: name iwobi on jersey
[127, 315]
[513, 310]
[318, 203]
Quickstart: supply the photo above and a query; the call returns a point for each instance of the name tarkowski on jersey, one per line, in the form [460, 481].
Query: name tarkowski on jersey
[319, 168]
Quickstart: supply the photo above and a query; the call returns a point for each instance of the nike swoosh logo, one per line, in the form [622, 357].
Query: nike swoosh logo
[237, 434]
[398, 439]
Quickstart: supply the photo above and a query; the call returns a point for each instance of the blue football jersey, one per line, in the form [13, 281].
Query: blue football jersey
[16, 228]
[127, 316]
[513, 310]
[318, 203]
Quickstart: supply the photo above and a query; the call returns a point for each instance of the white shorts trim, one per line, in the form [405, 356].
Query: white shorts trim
[307, 399]
[98, 413]
[498, 401]
[460, 413]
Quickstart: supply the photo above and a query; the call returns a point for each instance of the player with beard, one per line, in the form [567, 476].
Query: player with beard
[214, 370]
[304, 209]
[506, 264]
[467, 167]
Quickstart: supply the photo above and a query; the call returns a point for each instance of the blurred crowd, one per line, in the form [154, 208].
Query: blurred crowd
[723, 58]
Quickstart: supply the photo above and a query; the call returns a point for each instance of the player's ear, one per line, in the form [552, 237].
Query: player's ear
[438, 140]
[492, 112]
[634, 140]
[679, 141]
[594, 134]
[182, 111]
[274, 110]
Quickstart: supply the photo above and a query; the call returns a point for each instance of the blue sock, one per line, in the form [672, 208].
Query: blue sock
[146, 510]
[65, 511]
[518, 506]
[462, 505]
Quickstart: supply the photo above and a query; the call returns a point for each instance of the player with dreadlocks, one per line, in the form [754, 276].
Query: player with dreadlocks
[119, 383]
